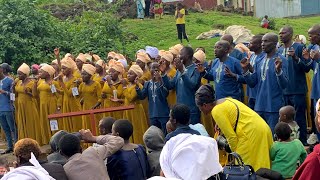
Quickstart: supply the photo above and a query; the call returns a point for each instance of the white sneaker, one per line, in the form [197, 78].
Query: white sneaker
[313, 138]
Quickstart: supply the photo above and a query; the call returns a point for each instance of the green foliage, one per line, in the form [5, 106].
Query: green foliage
[30, 35]
[26, 33]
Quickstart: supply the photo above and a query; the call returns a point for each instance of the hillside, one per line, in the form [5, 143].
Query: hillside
[162, 32]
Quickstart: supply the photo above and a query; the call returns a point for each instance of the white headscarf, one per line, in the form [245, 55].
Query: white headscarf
[152, 51]
[187, 156]
[35, 172]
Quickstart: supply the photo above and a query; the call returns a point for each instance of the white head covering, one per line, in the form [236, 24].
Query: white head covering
[124, 62]
[187, 156]
[29, 172]
[152, 51]
[303, 39]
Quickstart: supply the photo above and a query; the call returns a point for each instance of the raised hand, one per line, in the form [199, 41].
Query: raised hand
[200, 68]
[56, 51]
[278, 64]
[228, 72]
[245, 62]
[87, 136]
[157, 76]
[124, 82]
[315, 55]
[305, 54]
[178, 64]
[163, 67]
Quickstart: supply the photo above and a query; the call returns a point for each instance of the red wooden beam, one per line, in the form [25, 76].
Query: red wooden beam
[90, 112]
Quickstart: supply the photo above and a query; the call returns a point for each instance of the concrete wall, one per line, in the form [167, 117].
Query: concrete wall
[309, 7]
[278, 8]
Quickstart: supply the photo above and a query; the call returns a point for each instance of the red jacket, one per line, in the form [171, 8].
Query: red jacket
[310, 169]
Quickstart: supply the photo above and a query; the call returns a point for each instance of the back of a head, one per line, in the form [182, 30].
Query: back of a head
[153, 138]
[54, 141]
[124, 128]
[205, 95]
[69, 145]
[227, 37]
[107, 123]
[187, 156]
[189, 51]
[283, 131]
[181, 113]
[24, 147]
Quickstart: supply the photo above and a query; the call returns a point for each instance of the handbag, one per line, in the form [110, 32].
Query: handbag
[222, 140]
[239, 171]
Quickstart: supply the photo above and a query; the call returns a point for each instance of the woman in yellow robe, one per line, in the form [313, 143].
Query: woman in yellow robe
[27, 114]
[142, 59]
[113, 87]
[49, 92]
[136, 116]
[166, 61]
[90, 94]
[250, 136]
[100, 72]
[71, 100]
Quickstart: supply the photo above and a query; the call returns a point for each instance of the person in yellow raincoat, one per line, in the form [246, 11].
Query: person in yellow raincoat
[199, 57]
[112, 90]
[136, 116]
[142, 60]
[49, 92]
[166, 59]
[90, 94]
[71, 101]
[27, 113]
[250, 136]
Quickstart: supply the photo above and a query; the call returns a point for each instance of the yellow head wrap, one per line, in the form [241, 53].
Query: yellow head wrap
[118, 66]
[119, 56]
[100, 63]
[175, 50]
[89, 69]
[167, 56]
[96, 57]
[200, 56]
[162, 52]
[137, 70]
[68, 62]
[25, 69]
[54, 62]
[82, 57]
[49, 69]
[112, 54]
[142, 56]
[68, 55]
[88, 57]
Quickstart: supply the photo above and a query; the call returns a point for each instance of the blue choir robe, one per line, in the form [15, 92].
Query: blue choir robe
[236, 53]
[226, 86]
[315, 92]
[186, 85]
[254, 59]
[270, 86]
[297, 83]
[157, 95]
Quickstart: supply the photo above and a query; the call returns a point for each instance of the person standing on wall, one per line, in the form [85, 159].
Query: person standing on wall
[181, 22]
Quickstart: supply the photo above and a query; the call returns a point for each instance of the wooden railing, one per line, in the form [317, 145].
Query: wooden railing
[90, 112]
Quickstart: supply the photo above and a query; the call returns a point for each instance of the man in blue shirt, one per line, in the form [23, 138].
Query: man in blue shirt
[7, 110]
[256, 57]
[270, 77]
[186, 82]
[299, 63]
[179, 121]
[225, 71]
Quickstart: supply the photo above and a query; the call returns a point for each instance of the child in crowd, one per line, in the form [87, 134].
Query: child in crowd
[131, 161]
[286, 115]
[285, 153]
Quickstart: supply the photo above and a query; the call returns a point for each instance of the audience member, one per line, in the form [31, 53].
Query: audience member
[105, 125]
[179, 120]
[88, 164]
[131, 161]
[154, 140]
[285, 153]
[286, 115]
[55, 156]
[188, 156]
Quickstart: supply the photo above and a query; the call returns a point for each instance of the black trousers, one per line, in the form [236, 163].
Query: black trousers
[181, 28]
[147, 9]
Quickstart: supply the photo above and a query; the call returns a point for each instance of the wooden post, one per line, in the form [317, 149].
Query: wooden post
[90, 112]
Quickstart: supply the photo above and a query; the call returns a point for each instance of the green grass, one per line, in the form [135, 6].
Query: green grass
[161, 33]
